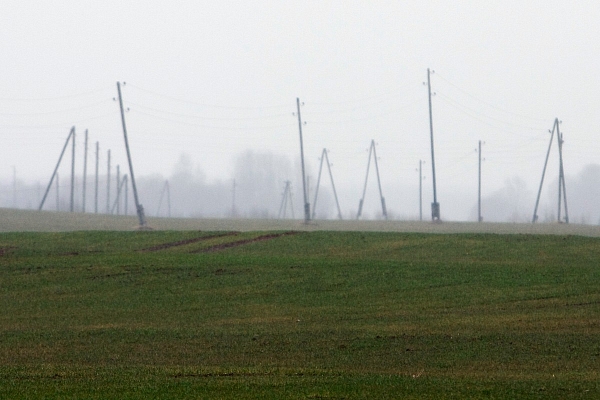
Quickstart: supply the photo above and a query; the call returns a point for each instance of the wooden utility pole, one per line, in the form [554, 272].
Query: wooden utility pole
[138, 206]
[325, 158]
[85, 153]
[435, 206]
[562, 192]
[306, 203]
[372, 152]
[72, 202]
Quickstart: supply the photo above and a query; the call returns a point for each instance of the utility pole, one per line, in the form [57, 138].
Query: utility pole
[325, 158]
[138, 206]
[562, 192]
[435, 206]
[72, 203]
[287, 195]
[96, 181]
[108, 183]
[85, 154]
[479, 217]
[306, 203]
[561, 176]
[372, 152]
[71, 133]
[118, 188]
[162, 193]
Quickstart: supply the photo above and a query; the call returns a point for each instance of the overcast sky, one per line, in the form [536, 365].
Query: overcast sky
[211, 79]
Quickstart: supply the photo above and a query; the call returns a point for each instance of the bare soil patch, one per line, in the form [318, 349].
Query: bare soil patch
[165, 246]
[229, 245]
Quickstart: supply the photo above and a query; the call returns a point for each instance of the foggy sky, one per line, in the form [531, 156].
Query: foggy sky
[216, 80]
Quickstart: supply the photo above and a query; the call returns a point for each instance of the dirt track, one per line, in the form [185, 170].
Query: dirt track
[27, 220]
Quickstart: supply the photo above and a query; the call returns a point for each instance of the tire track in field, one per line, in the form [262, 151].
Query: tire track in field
[165, 246]
[238, 243]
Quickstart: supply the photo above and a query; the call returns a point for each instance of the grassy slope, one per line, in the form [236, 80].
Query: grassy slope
[311, 315]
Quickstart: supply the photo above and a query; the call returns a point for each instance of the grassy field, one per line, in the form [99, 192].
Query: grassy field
[306, 315]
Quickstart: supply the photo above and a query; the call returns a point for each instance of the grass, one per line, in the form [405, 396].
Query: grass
[304, 315]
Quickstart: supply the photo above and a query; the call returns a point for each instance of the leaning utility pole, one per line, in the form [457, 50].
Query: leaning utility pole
[435, 206]
[287, 195]
[325, 157]
[138, 206]
[71, 133]
[85, 153]
[306, 203]
[562, 192]
[372, 152]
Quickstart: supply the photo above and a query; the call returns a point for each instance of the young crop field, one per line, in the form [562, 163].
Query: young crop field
[298, 314]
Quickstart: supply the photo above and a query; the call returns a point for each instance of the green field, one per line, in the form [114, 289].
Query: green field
[307, 315]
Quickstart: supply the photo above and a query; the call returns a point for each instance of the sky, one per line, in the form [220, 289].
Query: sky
[208, 81]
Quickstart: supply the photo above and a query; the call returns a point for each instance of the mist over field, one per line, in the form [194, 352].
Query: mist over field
[257, 184]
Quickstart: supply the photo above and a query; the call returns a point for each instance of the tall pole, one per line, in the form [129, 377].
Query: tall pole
[96, 180]
[85, 154]
[561, 176]
[72, 202]
[118, 189]
[306, 203]
[108, 183]
[138, 206]
[479, 218]
[318, 183]
[435, 206]
[383, 207]
[362, 200]
[71, 133]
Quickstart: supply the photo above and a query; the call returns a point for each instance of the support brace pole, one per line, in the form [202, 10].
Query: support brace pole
[71, 133]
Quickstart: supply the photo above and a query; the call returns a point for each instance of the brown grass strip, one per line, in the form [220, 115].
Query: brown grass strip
[165, 246]
[229, 245]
